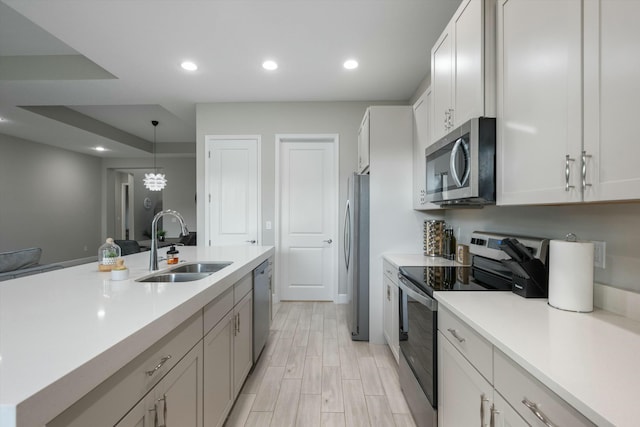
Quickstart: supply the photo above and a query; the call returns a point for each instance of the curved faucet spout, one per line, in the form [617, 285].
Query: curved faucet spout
[153, 257]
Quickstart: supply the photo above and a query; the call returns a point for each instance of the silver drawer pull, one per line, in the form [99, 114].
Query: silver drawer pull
[483, 399]
[537, 412]
[455, 335]
[158, 366]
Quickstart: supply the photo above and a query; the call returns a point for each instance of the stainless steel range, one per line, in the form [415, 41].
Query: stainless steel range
[419, 313]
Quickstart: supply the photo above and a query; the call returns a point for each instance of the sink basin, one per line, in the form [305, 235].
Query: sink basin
[174, 277]
[201, 267]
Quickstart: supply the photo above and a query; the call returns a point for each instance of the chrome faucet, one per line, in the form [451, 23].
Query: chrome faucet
[153, 259]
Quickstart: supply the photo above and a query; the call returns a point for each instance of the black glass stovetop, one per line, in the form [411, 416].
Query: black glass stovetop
[432, 279]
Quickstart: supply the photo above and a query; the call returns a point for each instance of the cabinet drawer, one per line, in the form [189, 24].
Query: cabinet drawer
[472, 346]
[390, 271]
[216, 309]
[516, 385]
[113, 398]
[242, 287]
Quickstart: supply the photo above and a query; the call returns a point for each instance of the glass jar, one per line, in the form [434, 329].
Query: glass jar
[172, 255]
[108, 253]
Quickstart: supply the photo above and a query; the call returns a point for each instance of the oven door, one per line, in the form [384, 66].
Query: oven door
[418, 335]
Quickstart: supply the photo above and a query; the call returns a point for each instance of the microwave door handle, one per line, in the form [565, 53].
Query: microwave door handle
[452, 162]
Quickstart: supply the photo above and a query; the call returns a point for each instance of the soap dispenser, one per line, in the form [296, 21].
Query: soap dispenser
[172, 255]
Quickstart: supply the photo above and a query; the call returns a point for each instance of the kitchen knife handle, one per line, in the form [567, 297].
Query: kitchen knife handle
[567, 173]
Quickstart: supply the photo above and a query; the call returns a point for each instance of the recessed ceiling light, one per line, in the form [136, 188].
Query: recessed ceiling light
[99, 148]
[189, 66]
[2, 119]
[350, 64]
[270, 65]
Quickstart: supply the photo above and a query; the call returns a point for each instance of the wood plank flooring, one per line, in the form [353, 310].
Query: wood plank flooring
[312, 374]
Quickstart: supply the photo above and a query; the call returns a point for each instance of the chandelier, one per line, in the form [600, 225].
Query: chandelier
[154, 181]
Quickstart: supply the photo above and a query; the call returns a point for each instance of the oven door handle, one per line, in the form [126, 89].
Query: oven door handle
[409, 288]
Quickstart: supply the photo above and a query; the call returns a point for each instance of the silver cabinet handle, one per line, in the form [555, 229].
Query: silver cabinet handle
[567, 173]
[250, 241]
[163, 399]
[451, 118]
[159, 365]
[483, 399]
[492, 419]
[585, 156]
[537, 412]
[388, 293]
[455, 335]
[329, 241]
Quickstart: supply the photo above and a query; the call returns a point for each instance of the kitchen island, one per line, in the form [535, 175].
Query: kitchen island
[64, 332]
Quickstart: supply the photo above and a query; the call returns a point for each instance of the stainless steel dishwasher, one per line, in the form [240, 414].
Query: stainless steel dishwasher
[261, 307]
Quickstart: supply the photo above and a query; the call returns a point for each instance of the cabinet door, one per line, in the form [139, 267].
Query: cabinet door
[503, 415]
[468, 75]
[611, 90]
[363, 144]
[464, 396]
[395, 323]
[442, 84]
[140, 415]
[218, 373]
[539, 101]
[387, 312]
[242, 342]
[179, 394]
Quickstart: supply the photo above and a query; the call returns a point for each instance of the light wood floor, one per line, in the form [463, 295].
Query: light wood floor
[312, 374]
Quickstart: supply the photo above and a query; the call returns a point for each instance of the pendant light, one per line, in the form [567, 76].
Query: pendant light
[154, 181]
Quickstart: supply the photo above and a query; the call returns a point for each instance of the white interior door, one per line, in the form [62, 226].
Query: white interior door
[307, 221]
[233, 196]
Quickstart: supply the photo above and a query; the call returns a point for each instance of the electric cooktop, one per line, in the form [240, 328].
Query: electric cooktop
[432, 279]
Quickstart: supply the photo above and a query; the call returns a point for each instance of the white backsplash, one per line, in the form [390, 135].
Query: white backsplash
[616, 224]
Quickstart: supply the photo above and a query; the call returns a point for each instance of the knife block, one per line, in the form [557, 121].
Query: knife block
[530, 278]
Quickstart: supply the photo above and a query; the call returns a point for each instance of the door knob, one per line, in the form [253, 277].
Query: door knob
[328, 241]
[250, 241]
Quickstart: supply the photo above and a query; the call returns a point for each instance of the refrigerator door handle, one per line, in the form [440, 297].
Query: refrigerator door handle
[347, 234]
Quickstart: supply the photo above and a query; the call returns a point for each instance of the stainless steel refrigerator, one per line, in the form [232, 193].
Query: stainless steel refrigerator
[356, 254]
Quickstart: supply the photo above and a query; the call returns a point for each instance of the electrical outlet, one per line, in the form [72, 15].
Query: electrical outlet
[599, 254]
[267, 225]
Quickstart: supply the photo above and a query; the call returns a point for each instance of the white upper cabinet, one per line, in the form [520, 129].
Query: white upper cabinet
[421, 140]
[463, 67]
[539, 101]
[567, 89]
[611, 94]
[363, 144]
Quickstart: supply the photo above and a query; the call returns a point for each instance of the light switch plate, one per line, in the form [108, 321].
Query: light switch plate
[267, 225]
[599, 254]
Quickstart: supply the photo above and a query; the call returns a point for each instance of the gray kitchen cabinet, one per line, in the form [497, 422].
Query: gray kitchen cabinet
[218, 376]
[463, 67]
[139, 415]
[503, 415]
[242, 342]
[567, 90]
[114, 398]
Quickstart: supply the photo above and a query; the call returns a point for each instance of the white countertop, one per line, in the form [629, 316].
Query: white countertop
[417, 260]
[589, 359]
[64, 332]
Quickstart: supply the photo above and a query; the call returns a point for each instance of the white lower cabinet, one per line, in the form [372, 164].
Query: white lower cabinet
[464, 396]
[218, 375]
[242, 342]
[501, 394]
[390, 309]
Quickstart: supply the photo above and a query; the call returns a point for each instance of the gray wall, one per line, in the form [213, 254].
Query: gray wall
[268, 119]
[49, 198]
[616, 224]
[179, 194]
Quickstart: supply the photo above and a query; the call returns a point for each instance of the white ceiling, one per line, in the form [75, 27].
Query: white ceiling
[115, 65]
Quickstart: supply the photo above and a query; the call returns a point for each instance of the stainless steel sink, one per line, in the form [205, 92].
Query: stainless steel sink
[172, 277]
[201, 267]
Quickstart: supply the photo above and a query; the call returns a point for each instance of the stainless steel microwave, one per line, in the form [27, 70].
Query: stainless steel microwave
[461, 167]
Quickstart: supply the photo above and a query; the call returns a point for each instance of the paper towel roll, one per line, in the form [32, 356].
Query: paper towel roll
[571, 275]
